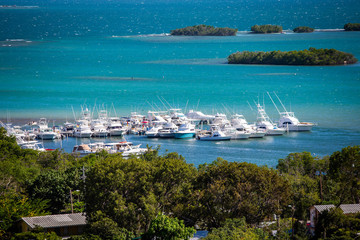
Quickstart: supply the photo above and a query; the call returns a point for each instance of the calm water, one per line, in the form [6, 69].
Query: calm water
[86, 52]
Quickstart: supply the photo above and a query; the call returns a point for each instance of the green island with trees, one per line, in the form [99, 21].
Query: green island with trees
[352, 27]
[303, 29]
[311, 56]
[266, 29]
[163, 197]
[204, 30]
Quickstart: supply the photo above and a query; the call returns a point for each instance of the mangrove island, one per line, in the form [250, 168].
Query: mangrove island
[303, 29]
[204, 30]
[312, 56]
[352, 27]
[266, 29]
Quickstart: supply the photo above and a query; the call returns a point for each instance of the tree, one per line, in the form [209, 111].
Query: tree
[236, 229]
[303, 29]
[232, 190]
[344, 168]
[167, 228]
[352, 27]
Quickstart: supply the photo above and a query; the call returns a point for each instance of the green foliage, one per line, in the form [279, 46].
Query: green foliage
[55, 186]
[344, 168]
[352, 27]
[232, 190]
[204, 30]
[236, 229]
[311, 56]
[14, 206]
[167, 228]
[266, 29]
[36, 236]
[303, 29]
[334, 224]
[105, 228]
[131, 192]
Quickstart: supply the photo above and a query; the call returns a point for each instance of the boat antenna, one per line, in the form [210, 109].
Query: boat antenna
[273, 102]
[250, 106]
[186, 105]
[114, 109]
[280, 102]
[197, 104]
[167, 102]
[163, 103]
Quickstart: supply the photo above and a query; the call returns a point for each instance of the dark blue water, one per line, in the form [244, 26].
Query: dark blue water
[72, 53]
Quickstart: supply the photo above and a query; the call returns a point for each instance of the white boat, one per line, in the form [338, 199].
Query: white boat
[82, 130]
[289, 121]
[197, 115]
[239, 122]
[115, 127]
[168, 130]
[125, 148]
[82, 150]
[215, 135]
[264, 122]
[153, 132]
[186, 130]
[34, 145]
[98, 128]
[47, 134]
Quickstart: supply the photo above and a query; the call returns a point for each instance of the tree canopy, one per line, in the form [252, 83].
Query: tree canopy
[312, 56]
[266, 28]
[352, 27]
[204, 30]
[303, 29]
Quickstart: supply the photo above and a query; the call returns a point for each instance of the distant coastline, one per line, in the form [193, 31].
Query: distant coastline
[17, 7]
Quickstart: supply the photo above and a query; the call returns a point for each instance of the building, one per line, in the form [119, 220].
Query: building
[63, 225]
[316, 210]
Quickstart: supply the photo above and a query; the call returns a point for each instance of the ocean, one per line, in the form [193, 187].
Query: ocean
[62, 55]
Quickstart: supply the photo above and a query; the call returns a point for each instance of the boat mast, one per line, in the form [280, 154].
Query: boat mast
[273, 102]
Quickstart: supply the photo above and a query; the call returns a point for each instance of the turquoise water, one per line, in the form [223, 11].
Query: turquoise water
[86, 52]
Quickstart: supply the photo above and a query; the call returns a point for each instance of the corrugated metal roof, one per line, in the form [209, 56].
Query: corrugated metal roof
[321, 208]
[59, 220]
[350, 208]
[346, 208]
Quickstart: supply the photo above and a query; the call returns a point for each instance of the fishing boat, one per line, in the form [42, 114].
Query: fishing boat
[239, 122]
[168, 130]
[82, 130]
[288, 120]
[215, 135]
[264, 122]
[186, 130]
[115, 127]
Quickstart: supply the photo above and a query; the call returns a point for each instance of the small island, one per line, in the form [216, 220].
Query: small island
[266, 29]
[204, 30]
[352, 27]
[303, 29]
[309, 57]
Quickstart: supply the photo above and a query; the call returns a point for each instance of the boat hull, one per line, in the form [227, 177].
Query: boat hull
[214, 138]
[184, 135]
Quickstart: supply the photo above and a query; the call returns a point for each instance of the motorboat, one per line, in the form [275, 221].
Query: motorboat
[215, 135]
[291, 123]
[47, 134]
[34, 145]
[82, 130]
[153, 132]
[264, 122]
[240, 124]
[168, 130]
[115, 127]
[186, 130]
[98, 128]
[82, 150]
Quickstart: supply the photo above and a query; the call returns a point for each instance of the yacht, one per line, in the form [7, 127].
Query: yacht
[82, 130]
[215, 135]
[153, 132]
[186, 130]
[291, 123]
[264, 122]
[168, 130]
[47, 134]
[114, 127]
[98, 128]
[239, 122]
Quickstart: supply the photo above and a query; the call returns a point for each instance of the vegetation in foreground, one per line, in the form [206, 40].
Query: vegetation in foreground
[204, 30]
[312, 56]
[352, 27]
[266, 29]
[303, 29]
[163, 197]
